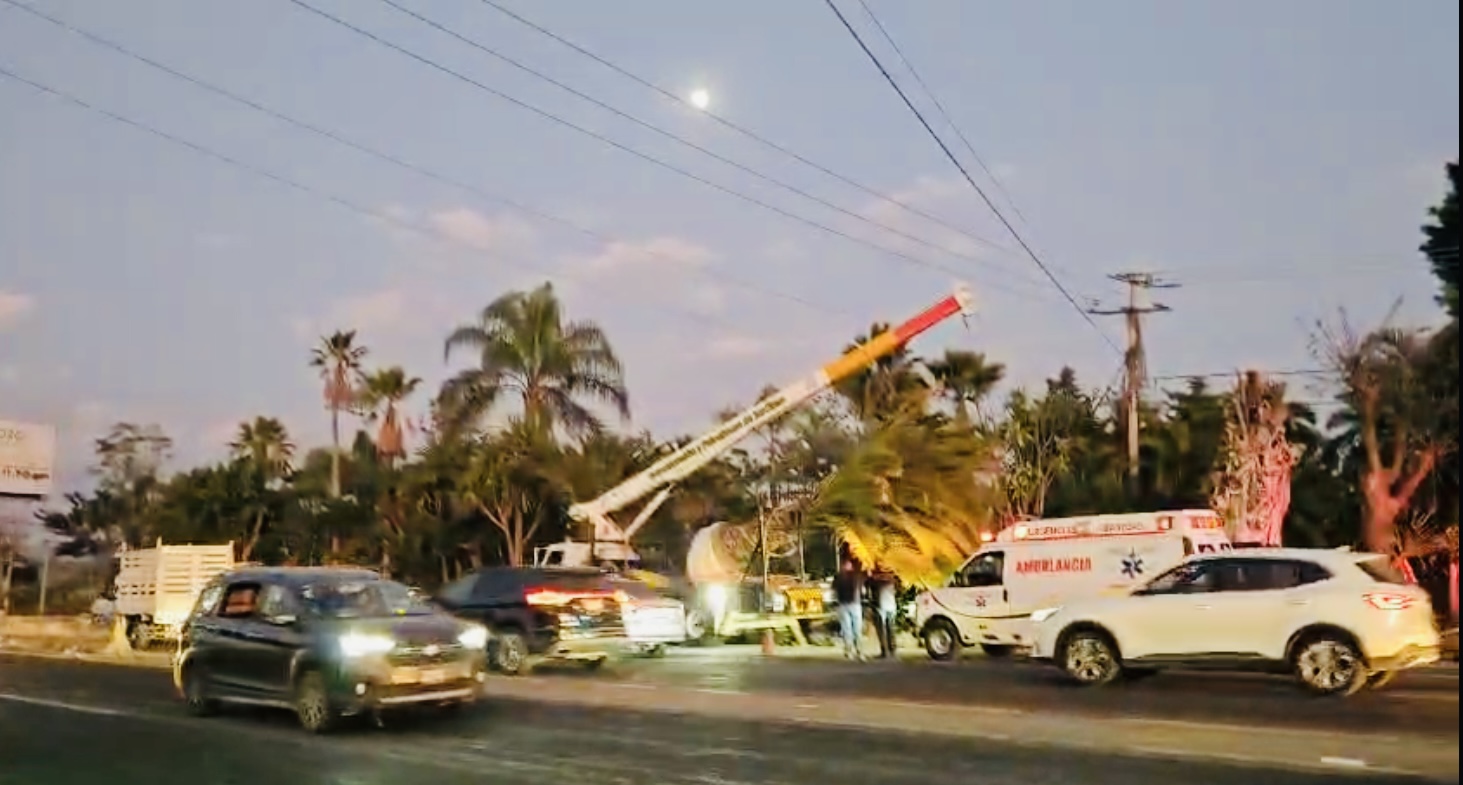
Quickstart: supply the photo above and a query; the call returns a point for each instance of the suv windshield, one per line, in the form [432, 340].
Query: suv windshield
[364, 599]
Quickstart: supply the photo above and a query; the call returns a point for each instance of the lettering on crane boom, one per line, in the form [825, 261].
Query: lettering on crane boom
[1054, 565]
[726, 431]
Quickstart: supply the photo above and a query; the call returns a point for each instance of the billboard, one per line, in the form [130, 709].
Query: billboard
[27, 458]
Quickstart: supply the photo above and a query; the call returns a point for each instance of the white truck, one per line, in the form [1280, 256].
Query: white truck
[156, 588]
[1042, 564]
[718, 603]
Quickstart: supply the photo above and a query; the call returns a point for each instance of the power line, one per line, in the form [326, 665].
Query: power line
[940, 107]
[394, 160]
[653, 128]
[1170, 377]
[295, 185]
[966, 174]
[737, 128]
[430, 63]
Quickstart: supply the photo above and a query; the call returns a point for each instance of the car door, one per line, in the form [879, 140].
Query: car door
[281, 634]
[234, 632]
[1170, 616]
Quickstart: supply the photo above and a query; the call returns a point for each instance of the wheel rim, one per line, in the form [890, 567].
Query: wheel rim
[1329, 665]
[940, 641]
[510, 655]
[313, 708]
[695, 628]
[1089, 660]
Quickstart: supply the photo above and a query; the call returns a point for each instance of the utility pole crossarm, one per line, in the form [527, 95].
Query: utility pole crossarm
[1138, 306]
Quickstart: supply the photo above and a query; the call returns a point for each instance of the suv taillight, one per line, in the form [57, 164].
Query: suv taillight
[551, 598]
[1389, 601]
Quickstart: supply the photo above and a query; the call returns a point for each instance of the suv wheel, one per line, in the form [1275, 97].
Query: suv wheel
[312, 703]
[1090, 658]
[942, 640]
[195, 692]
[510, 653]
[1329, 664]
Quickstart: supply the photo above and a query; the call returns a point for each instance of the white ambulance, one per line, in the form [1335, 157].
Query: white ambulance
[1041, 564]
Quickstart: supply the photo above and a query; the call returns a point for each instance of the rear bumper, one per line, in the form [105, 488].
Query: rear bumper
[587, 648]
[1414, 656]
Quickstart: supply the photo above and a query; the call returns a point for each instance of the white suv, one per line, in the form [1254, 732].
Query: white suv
[1338, 620]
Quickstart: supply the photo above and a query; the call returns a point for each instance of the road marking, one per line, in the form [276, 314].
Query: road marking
[710, 691]
[1350, 763]
[627, 685]
[53, 704]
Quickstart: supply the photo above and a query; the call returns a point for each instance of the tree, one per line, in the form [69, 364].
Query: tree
[265, 445]
[381, 396]
[967, 379]
[129, 460]
[525, 348]
[1252, 490]
[1443, 238]
[1392, 386]
[509, 481]
[338, 358]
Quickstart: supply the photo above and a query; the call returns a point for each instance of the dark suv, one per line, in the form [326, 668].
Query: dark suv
[326, 643]
[538, 613]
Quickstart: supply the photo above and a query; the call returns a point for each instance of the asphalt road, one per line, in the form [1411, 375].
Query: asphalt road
[1423, 702]
[62, 722]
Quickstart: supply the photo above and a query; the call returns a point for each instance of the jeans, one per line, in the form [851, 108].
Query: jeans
[887, 623]
[851, 626]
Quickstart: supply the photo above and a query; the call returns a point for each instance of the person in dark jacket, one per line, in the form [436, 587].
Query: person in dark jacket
[848, 589]
[884, 588]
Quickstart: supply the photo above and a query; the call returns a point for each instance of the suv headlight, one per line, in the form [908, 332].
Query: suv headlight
[359, 645]
[474, 637]
[1043, 614]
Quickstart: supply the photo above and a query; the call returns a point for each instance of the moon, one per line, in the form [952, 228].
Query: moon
[701, 98]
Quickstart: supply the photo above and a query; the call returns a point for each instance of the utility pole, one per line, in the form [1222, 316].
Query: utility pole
[1139, 305]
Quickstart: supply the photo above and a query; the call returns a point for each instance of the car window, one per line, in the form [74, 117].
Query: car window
[277, 600]
[208, 599]
[363, 599]
[983, 571]
[457, 593]
[1382, 570]
[1273, 575]
[241, 600]
[1191, 578]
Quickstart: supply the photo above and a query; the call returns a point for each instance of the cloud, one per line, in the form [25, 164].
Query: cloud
[465, 226]
[383, 310]
[658, 254]
[14, 306]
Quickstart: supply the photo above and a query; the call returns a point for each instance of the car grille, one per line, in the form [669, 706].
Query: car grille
[419, 654]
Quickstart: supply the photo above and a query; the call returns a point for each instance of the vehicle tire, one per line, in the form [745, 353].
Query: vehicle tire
[698, 625]
[1329, 664]
[1090, 658]
[509, 653]
[1380, 679]
[997, 650]
[312, 704]
[139, 635]
[195, 692]
[942, 641]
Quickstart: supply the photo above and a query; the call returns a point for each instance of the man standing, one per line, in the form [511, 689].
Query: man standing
[886, 611]
[848, 589]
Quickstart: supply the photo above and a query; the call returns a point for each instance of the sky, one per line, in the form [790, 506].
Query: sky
[1276, 159]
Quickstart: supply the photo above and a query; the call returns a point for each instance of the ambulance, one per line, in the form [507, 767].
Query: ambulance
[1042, 564]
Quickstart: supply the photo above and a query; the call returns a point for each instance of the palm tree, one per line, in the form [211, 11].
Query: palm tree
[338, 359]
[525, 348]
[264, 443]
[967, 378]
[381, 396]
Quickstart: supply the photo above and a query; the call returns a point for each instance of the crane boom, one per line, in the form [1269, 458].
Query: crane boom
[678, 465]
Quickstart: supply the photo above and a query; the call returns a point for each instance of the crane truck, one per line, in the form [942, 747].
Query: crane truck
[716, 567]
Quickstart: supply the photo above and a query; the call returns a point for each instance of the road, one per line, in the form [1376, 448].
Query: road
[66, 722]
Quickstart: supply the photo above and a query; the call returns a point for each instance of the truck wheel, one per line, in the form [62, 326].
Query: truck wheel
[942, 640]
[312, 704]
[510, 653]
[1090, 658]
[1329, 664]
[139, 634]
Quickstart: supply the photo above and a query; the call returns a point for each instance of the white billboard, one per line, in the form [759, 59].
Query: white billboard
[27, 458]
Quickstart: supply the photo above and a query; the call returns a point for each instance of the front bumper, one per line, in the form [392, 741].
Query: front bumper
[380, 684]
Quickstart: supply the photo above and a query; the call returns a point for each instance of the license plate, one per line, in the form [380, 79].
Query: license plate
[594, 606]
[434, 676]
[405, 675]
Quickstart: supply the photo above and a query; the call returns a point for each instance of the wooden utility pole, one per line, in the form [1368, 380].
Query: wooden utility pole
[1136, 372]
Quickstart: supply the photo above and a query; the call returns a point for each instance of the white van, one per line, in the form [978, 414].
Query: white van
[1044, 563]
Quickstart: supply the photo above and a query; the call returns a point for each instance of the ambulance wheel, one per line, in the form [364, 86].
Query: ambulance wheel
[942, 640]
[997, 650]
